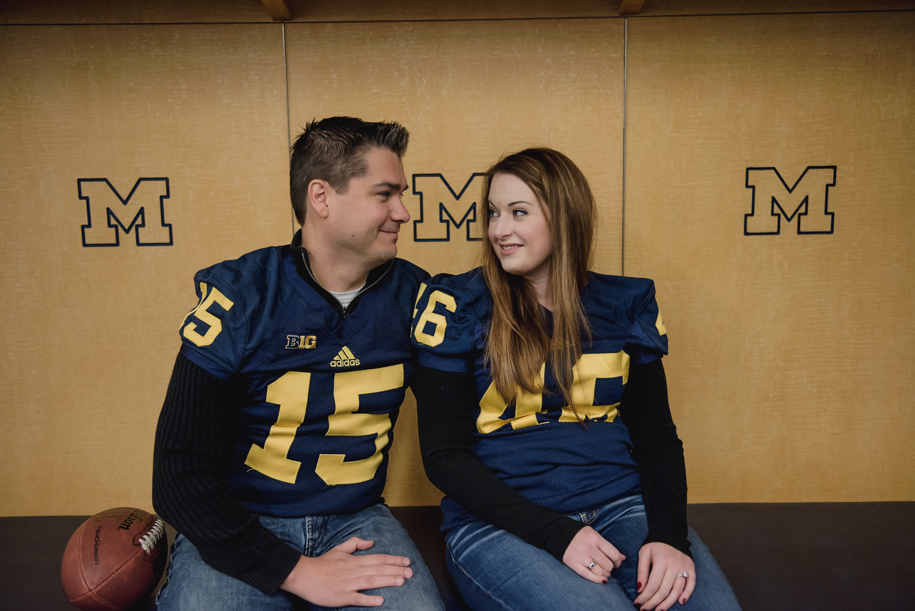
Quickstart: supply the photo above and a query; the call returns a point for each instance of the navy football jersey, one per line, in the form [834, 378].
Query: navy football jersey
[318, 393]
[535, 443]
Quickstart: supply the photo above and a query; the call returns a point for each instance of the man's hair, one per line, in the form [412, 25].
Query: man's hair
[334, 150]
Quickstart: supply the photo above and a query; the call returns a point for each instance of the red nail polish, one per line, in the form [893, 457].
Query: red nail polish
[638, 586]
[604, 581]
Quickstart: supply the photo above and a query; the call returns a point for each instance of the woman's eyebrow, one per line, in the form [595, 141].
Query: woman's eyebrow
[510, 204]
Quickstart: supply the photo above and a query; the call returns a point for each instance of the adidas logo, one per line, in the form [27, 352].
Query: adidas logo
[345, 358]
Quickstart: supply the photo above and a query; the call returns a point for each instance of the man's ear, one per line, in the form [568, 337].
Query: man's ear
[318, 192]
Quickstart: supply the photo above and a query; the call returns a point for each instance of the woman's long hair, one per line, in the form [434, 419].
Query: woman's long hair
[519, 342]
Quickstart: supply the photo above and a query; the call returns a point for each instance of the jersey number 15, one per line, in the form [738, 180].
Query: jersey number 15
[290, 392]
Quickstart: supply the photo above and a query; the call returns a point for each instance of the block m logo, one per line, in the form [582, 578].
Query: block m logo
[808, 200]
[142, 211]
[432, 189]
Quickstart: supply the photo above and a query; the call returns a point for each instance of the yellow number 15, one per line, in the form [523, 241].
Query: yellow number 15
[290, 392]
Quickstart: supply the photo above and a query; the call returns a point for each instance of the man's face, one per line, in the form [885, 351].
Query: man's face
[365, 220]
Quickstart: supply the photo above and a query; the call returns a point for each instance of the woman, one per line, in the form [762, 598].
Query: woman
[544, 418]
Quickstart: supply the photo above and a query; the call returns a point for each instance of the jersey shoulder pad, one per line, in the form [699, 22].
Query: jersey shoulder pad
[450, 319]
[232, 298]
[406, 279]
[632, 304]
[410, 270]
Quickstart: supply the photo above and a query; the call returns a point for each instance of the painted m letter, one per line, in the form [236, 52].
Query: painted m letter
[434, 189]
[143, 210]
[773, 199]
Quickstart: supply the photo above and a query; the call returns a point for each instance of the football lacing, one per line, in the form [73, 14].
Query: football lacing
[149, 540]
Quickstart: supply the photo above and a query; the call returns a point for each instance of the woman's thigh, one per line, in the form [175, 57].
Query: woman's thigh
[495, 570]
[624, 524]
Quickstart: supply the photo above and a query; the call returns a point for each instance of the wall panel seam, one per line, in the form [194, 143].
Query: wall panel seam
[465, 19]
[625, 125]
[292, 221]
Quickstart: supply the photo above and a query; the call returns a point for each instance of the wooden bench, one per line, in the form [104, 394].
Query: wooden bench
[778, 557]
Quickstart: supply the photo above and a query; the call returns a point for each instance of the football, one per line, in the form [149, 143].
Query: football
[114, 559]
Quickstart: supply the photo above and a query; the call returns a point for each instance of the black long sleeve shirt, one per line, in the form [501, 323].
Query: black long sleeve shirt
[445, 403]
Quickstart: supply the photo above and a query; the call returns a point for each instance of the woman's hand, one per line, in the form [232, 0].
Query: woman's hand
[660, 580]
[589, 547]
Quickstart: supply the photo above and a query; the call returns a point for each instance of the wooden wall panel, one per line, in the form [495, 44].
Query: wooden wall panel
[655, 8]
[469, 92]
[55, 12]
[790, 366]
[791, 361]
[86, 12]
[90, 333]
[426, 10]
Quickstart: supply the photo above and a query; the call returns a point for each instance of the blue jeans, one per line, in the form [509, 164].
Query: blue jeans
[495, 570]
[193, 585]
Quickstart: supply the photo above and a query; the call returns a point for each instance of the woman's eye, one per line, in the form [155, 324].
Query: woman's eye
[520, 212]
[492, 212]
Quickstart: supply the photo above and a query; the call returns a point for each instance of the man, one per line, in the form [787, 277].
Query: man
[271, 449]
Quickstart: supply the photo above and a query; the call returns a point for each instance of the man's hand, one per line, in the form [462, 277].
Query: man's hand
[336, 578]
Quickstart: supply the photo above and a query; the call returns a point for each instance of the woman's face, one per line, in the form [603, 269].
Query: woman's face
[518, 229]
